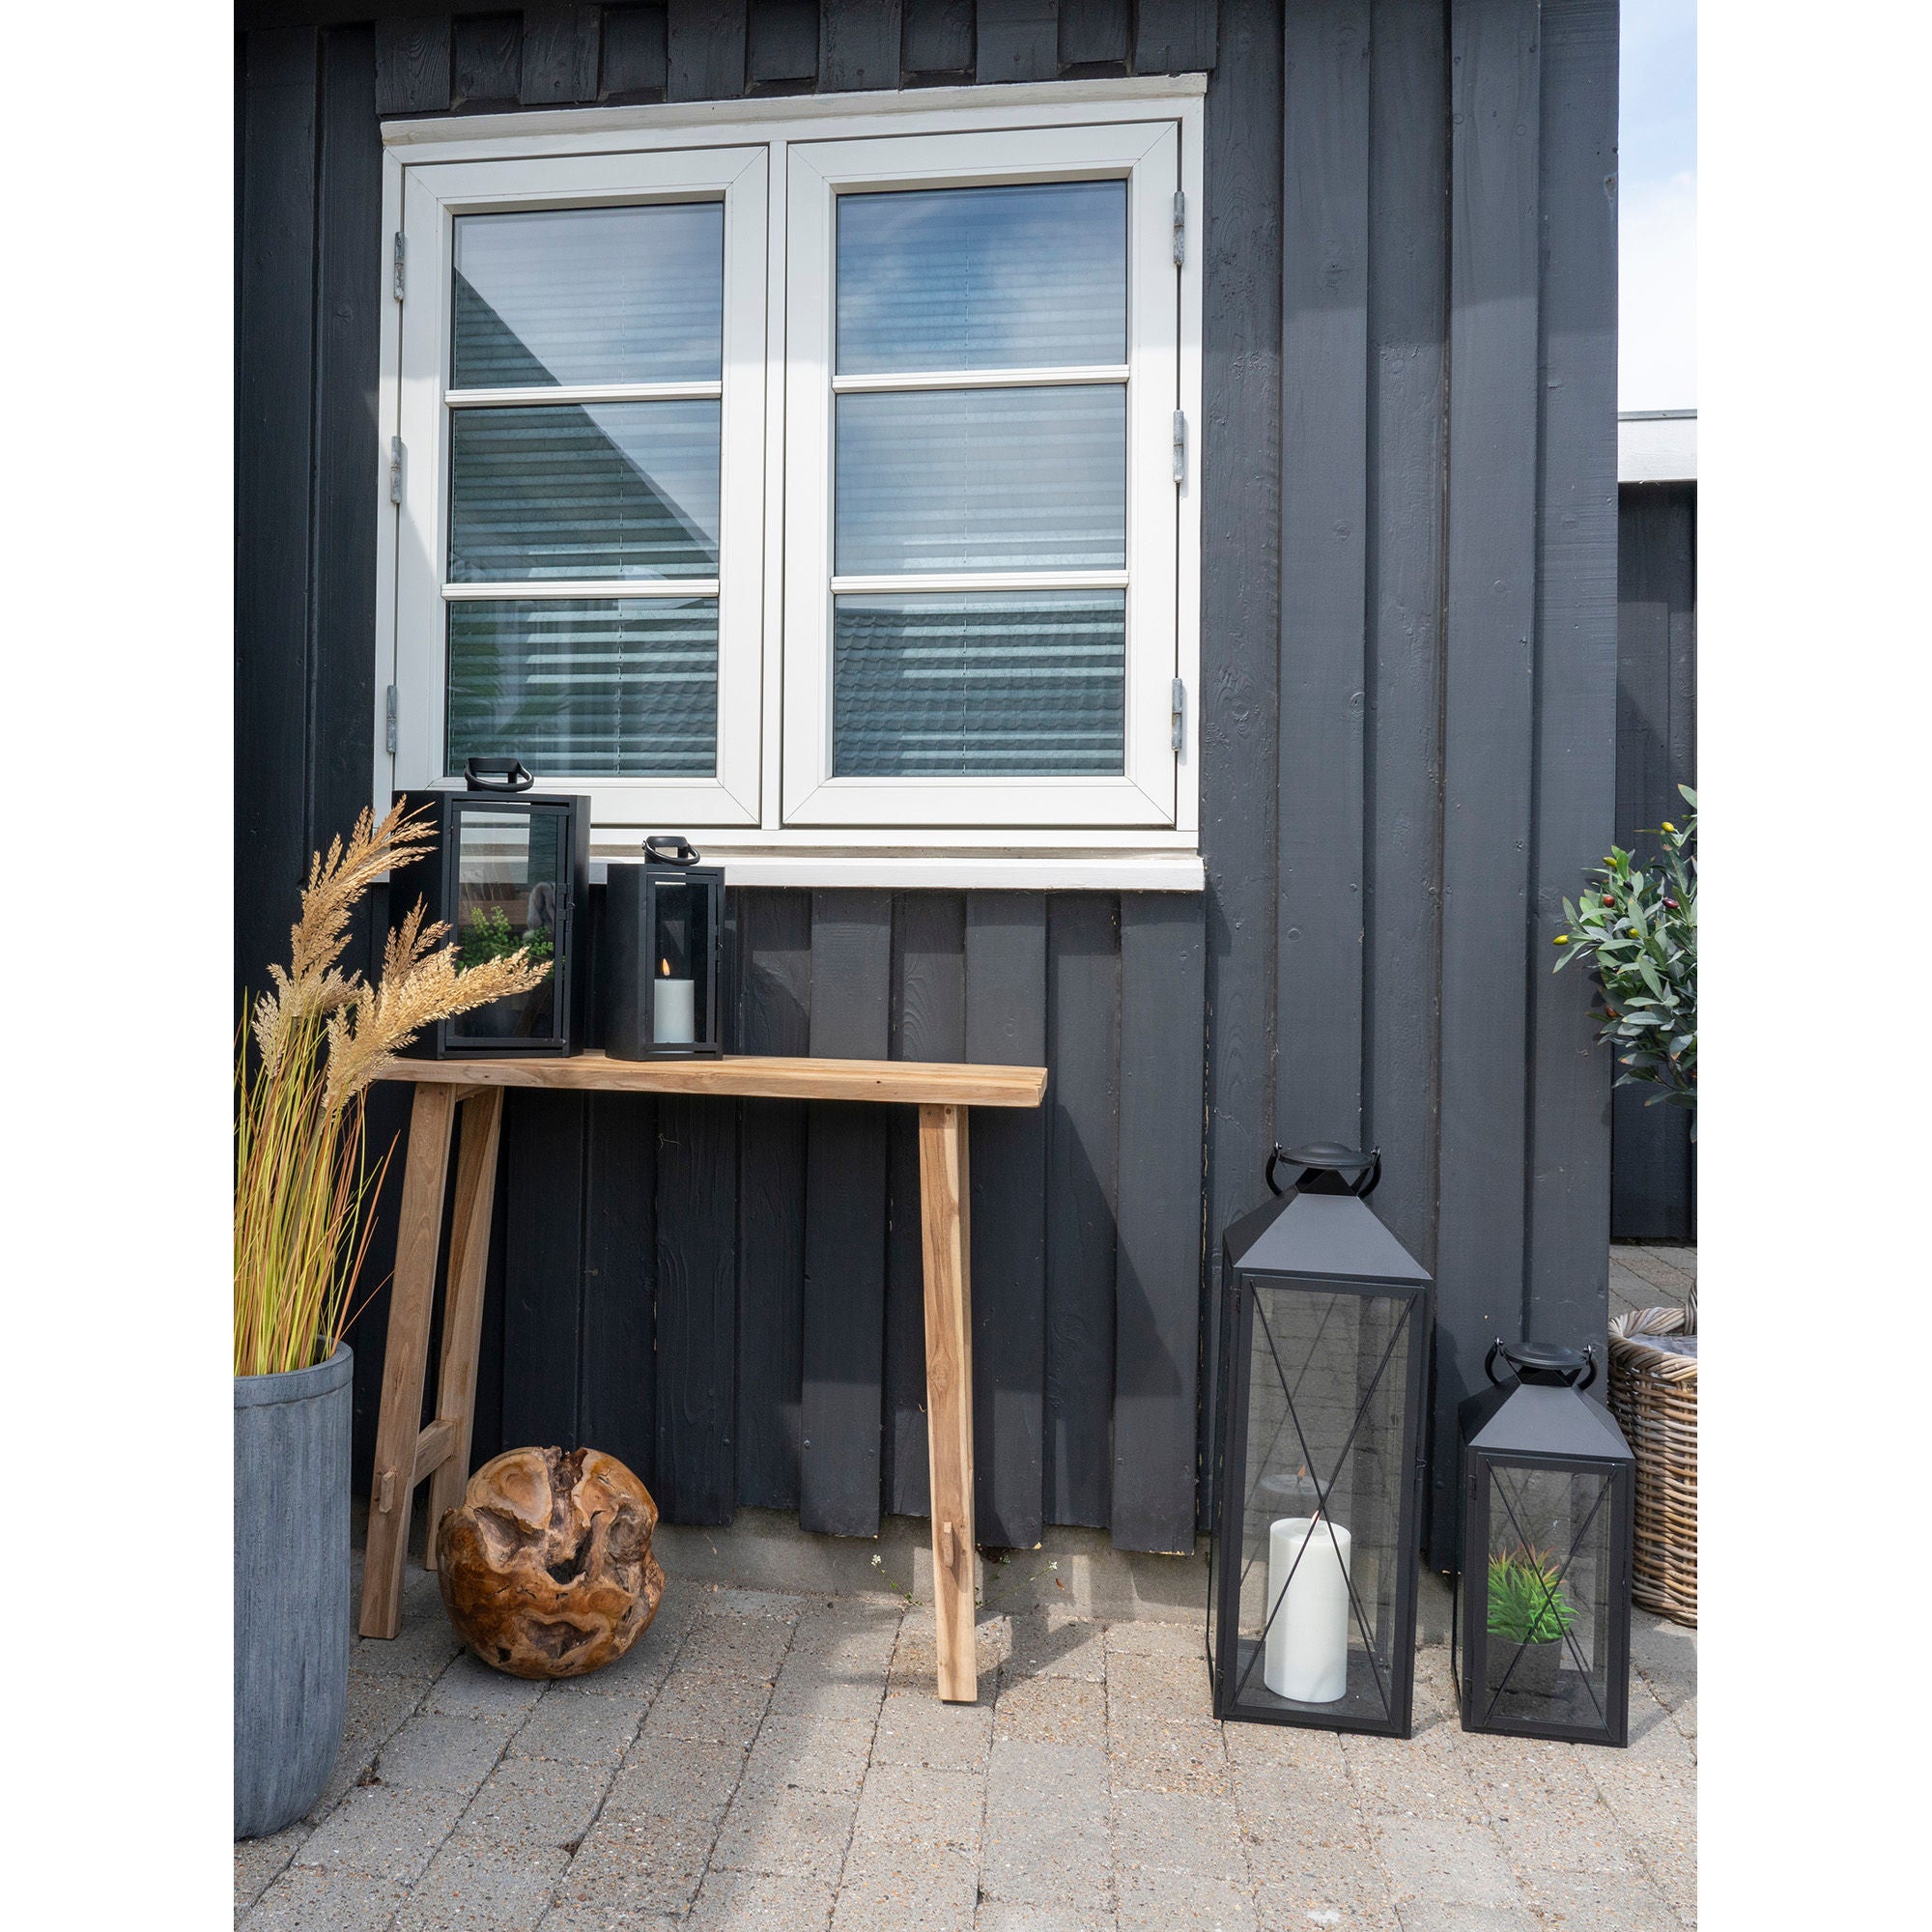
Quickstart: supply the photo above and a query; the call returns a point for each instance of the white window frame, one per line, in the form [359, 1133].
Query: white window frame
[769, 816]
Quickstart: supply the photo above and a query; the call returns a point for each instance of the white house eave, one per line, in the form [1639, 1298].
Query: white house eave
[1657, 446]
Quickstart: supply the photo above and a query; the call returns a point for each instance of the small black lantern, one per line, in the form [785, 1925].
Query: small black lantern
[510, 868]
[1325, 1345]
[664, 925]
[1545, 1604]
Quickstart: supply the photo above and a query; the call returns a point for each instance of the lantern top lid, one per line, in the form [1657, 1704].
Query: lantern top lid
[1541, 1419]
[1322, 1238]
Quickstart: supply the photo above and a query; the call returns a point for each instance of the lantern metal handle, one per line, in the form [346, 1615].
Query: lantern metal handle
[1582, 1381]
[1371, 1165]
[507, 775]
[671, 848]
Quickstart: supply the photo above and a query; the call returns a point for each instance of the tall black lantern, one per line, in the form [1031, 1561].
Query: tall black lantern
[1325, 1345]
[509, 870]
[1545, 1593]
[664, 925]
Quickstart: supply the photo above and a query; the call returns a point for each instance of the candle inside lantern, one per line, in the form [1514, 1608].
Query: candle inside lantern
[673, 1010]
[1307, 1650]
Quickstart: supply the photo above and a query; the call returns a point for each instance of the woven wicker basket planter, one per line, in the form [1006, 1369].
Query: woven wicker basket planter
[1654, 1396]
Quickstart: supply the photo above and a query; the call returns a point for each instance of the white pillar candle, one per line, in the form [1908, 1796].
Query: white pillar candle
[1307, 1652]
[673, 1012]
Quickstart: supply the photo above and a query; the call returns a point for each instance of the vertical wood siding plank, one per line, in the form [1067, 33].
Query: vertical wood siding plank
[860, 45]
[1083, 1103]
[1176, 36]
[1240, 623]
[1489, 693]
[1019, 40]
[1324, 535]
[845, 1222]
[633, 65]
[782, 43]
[559, 55]
[486, 60]
[276, 374]
[544, 1275]
[1005, 1023]
[1565, 1286]
[705, 49]
[486, 1424]
[619, 1364]
[1157, 1335]
[412, 63]
[1094, 34]
[1407, 298]
[938, 38]
[774, 1017]
[697, 1309]
[1656, 749]
[929, 1023]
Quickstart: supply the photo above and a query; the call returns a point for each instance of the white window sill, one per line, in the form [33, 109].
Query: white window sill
[1116, 871]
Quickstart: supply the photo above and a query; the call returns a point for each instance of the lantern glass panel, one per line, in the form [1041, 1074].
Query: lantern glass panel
[1548, 1599]
[1321, 1557]
[510, 882]
[681, 942]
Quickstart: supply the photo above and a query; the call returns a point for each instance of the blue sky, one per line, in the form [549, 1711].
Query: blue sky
[1656, 199]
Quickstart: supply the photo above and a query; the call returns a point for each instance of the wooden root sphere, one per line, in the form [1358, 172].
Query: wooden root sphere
[547, 1569]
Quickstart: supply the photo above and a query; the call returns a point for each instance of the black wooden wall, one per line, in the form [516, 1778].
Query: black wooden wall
[1652, 1156]
[1407, 708]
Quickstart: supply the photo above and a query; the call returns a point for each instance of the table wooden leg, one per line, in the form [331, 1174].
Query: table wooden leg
[463, 1302]
[411, 1293]
[943, 1186]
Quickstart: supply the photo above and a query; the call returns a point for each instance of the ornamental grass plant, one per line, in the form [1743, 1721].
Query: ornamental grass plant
[1526, 1600]
[314, 1043]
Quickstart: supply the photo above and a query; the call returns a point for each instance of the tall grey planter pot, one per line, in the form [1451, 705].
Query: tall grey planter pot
[291, 1588]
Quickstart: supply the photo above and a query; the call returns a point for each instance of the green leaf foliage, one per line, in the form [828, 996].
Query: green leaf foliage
[1526, 1601]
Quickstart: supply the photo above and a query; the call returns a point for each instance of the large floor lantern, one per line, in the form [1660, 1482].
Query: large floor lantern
[1545, 1594]
[1324, 1348]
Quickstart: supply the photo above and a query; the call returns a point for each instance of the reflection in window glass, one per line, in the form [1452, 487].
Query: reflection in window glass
[984, 277]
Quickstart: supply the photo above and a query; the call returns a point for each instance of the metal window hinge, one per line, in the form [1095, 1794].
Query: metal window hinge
[1179, 445]
[389, 726]
[396, 454]
[396, 283]
[1178, 735]
[1180, 230]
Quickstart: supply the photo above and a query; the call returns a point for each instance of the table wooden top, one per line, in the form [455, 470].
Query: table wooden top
[761, 1076]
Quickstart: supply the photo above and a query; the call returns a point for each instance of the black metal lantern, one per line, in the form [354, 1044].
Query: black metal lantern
[1545, 1602]
[510, 868]
[1325, 1345]
[664, 925]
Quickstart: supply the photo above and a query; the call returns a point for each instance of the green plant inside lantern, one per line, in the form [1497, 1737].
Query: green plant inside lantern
[1526, 1600]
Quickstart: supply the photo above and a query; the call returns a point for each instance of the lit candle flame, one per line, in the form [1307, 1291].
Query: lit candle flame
[663, 969]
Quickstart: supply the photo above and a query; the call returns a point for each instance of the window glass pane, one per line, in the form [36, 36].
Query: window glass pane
[984, 277]
[979, 685]
[606, 687]
[611, 490]
[509, 882]
[981, 479]
[589, 295]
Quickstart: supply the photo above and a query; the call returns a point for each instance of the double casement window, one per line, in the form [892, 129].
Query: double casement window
[822, 487]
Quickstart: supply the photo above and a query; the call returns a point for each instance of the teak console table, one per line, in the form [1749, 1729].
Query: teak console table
[406, 1454]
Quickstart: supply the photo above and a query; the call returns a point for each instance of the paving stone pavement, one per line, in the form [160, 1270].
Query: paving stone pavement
[769, 1761]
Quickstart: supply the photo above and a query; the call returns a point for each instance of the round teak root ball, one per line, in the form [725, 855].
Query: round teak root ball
[547, 1569]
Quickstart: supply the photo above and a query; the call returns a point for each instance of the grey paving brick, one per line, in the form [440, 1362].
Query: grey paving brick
[673, 1777]
[909, 1805]
[468, 1689]
[1143, 1754]
[776, 1604]
[378, 1708]
[914, 1665]
[914, 1727]
[1052, 1643]
[830, 1684]
[820, 1753]
[419, 1649]
[1158, 1901]
[785, 1831]
[1166, 1689]
[707, 1711]
[386, 1830]
[1002, 1915]
[647, 1867]
[1140, 1637]
[893, 1888]
[305, 1899]
[258, 1862]
[479, 1887]
[1046, 1828]
[605, 1919]
[1164, 1831]
[755, 1902]
[1341, 1894]
[1052, 1711]
[536, 1803]
[1595, 1901]
[580, 1730]
[854, 1630]
[1445, 1861]
[1434, 1915]
[725, 1643]
[435, 1749]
